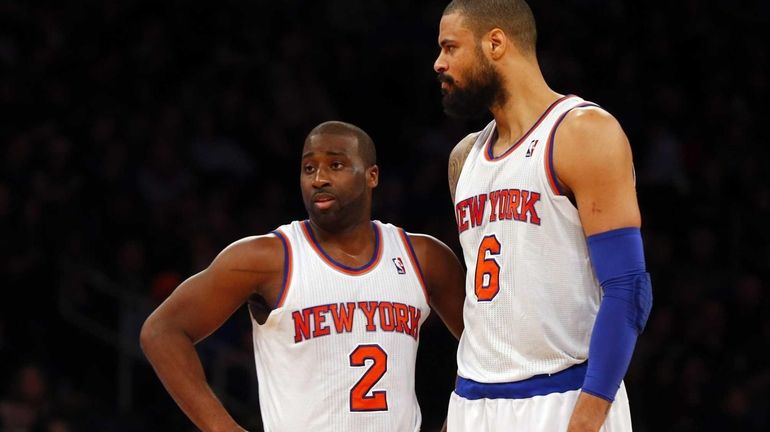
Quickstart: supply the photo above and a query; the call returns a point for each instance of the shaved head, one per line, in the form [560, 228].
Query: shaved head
[514, 17]
[366, 148]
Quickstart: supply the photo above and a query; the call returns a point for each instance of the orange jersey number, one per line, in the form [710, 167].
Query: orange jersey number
[359, 398]
[487, 269]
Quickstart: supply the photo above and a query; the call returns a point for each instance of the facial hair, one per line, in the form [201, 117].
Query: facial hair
[483, 89]
[347, 212]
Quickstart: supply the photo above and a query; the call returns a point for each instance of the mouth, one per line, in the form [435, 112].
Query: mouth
[445, 80]
[323, 201]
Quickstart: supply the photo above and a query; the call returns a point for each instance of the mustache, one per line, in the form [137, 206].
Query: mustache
[445, 78]
[326, 192]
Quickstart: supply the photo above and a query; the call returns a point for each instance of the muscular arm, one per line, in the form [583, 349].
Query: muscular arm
[457, 160]
[444, 278]
[593, 162]
[592, 159]
[196, 309]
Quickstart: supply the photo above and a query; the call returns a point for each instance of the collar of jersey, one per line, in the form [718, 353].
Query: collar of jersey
[488, 152]
[353, 271]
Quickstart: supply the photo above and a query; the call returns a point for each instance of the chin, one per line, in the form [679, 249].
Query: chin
[325, 218]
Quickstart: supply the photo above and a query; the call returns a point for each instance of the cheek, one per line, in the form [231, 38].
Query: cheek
[352, 190]
[466, 66]
[466, 71]
[304, 185]
[458, 75]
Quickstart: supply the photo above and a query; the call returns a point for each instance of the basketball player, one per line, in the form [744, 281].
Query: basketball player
[556, 290]
[336, 301]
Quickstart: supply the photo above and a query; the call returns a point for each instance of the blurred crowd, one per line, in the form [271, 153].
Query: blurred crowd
[139, 138]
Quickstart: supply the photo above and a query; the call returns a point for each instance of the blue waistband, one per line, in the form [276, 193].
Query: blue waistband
[538, 385]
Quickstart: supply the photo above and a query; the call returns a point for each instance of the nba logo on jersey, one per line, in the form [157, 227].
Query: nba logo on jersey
[531, 148]
[399, 265]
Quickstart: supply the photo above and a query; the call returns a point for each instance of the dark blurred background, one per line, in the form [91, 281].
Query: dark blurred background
[139, 138]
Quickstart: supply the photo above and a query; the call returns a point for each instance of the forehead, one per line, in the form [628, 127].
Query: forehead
[326, 143]
[453, 28]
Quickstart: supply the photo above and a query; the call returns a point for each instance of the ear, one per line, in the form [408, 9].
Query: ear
[373, 176]
[497, 43]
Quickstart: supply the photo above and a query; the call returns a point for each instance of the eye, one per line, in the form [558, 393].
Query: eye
[337, 165]
[308, 169]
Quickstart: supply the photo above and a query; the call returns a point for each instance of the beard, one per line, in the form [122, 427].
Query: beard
[343, 214]
[483, 89]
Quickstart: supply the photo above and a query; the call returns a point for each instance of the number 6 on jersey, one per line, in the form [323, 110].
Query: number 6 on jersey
[487, 269]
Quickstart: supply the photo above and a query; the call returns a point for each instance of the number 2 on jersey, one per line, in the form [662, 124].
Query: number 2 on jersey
[487, 269]
[359, 398]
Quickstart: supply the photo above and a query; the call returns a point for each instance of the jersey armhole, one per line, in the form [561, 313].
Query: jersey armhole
[415, 263]
[550, 171]
[287, 268]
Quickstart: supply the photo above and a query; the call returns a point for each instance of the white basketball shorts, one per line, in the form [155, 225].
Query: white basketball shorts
[543, 403]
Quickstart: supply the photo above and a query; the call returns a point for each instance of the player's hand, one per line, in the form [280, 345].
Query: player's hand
[589, 414]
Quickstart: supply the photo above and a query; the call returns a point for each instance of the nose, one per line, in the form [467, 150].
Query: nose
[440, 65]
[320, 179]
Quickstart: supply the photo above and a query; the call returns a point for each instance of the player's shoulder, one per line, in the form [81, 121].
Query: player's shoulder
[589, 143]
[411, 237]
[463, 147]
[426, 246]
[253, 252]
[457, 160]
[421, 238]
[256, 244]
[590, 124]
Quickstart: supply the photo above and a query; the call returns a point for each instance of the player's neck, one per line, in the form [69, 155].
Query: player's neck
[353, 239]
[528, 97]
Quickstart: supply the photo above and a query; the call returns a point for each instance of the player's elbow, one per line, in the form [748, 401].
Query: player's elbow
[150, 335]
[160, 332]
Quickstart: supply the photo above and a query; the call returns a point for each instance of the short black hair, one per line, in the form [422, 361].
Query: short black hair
[514, 17]
[365, 144]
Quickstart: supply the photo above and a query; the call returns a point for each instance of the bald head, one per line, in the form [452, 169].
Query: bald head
[514, 17]
[366, 148]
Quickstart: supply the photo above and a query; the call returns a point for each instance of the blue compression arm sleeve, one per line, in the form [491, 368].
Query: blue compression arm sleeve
[618, 260]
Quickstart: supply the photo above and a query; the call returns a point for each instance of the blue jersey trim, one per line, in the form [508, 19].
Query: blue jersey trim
[416, 262]
[538, 385]
[355, 270]
[490, 156]
[286, 268]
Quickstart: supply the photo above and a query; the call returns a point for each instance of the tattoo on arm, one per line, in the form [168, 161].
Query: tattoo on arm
[455, 167]
[457, 160]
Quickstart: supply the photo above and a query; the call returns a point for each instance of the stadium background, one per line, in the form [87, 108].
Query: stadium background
[139, 138]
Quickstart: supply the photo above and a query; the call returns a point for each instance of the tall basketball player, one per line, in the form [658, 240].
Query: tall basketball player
[343, 301]
[556, 290]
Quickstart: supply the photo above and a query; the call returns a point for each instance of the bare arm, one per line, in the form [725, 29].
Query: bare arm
[593, 162]
[444, 279]
[196, 309]
[457, 160]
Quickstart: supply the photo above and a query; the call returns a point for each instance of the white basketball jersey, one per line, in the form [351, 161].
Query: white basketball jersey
[531, 294]
[338, 351]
